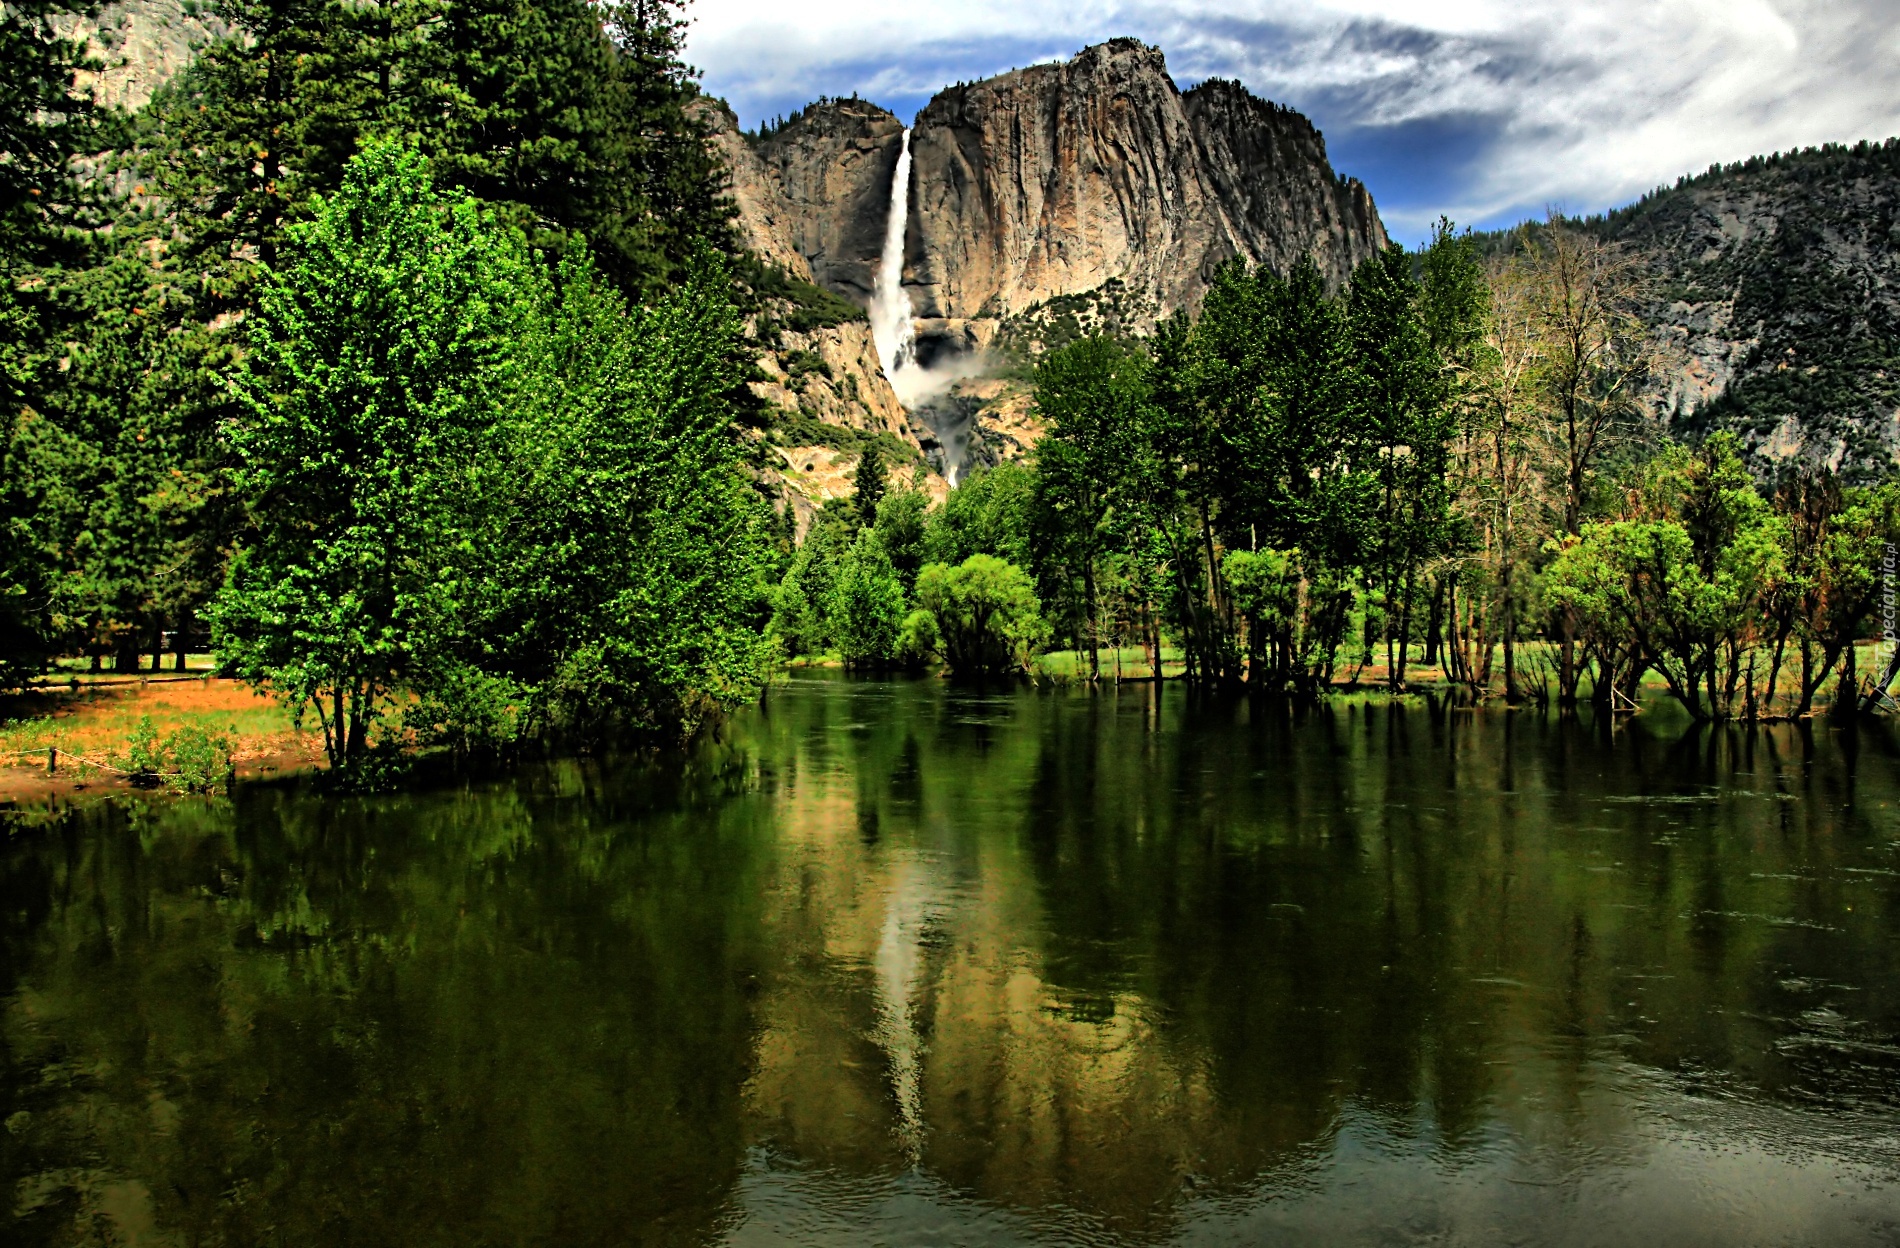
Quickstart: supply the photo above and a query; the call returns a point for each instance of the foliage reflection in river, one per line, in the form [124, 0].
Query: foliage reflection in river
[901, 962]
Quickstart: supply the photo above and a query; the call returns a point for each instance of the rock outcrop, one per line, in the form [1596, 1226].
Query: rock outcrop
[832, 164]
[766, 219]
[1268, 165]
[139, 44]
[1053, 181]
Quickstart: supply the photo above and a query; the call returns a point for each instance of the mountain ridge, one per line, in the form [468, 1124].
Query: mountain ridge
[1776, 301]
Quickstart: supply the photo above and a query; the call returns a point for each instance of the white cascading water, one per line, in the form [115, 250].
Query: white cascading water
[917, 388]
[891, 327]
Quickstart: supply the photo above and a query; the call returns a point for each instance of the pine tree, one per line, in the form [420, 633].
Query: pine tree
[44, 120]
[870, 484]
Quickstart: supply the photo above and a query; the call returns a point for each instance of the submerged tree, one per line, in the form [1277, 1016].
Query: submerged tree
[985, 613]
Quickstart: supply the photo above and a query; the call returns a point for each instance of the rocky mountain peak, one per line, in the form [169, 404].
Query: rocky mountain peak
[1097, 174]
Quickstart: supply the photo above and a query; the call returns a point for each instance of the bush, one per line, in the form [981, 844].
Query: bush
[189, 760]
[918, 641]
[200, 760]
[986, 615]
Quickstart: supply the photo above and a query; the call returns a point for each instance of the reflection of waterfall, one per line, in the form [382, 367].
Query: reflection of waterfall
[911, 911]
[890, 306]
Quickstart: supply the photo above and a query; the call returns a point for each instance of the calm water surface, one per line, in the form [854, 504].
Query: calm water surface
[900, 964]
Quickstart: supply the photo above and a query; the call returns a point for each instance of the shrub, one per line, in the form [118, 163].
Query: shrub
[986, 615]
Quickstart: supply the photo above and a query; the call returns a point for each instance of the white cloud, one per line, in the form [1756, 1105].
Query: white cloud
[1583, 104]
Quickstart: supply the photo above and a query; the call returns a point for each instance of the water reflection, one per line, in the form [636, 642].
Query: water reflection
[896, 962]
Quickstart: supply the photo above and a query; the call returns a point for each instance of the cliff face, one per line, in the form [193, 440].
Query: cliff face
[825, 384]
[767, 221]
[1269, 170]
[832, 164]
[1778, 303]
[1055, 180]
[139, 44]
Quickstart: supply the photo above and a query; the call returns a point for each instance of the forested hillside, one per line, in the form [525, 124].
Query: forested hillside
[1777, 299]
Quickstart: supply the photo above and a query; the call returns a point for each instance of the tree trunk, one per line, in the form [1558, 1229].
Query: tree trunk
[1088, 593]
[1879, 692]
[1846, 694]
[1510, 635]
[1567, 660]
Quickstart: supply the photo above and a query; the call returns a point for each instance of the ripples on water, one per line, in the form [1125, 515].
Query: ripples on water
[895, 963]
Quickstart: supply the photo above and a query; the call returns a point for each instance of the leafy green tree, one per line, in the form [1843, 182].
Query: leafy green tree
[514, 505]
[902, 520]
[624, 576]
[1090, 393]
[1837, 543]
[867, 604]
[379, 357]
[991, 512]
[1410, 422]
[986, 615]
[801, 611]
[1680, 586]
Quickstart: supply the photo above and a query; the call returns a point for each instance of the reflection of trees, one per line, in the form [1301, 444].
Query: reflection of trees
[1125, 960]
[500, 1016]
[1185, 953]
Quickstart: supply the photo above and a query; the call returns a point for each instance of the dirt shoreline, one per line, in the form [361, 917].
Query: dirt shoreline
[94, 720]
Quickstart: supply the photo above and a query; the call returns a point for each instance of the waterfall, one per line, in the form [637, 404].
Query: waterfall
[921, 390]
[891, 326]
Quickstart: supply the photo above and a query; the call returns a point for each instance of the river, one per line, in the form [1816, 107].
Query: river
[893, 962]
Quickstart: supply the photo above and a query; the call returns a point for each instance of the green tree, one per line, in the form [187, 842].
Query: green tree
[867, 604]
[379, 357]
[624, 574]
[44, 120]
[569, 117]
[1409, 421]
[1680, 586]
[869, 485]
[902, 521]
[1090, 393]
[986, 615]
[801, 610]
[991, 512]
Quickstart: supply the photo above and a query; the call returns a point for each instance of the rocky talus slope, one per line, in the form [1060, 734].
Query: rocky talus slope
[1778, 302]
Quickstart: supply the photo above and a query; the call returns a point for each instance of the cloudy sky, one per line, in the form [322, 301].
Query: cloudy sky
[1486, 111]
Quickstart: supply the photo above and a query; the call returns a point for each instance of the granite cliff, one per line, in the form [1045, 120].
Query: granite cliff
[1092, 192]
[1056, 180]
